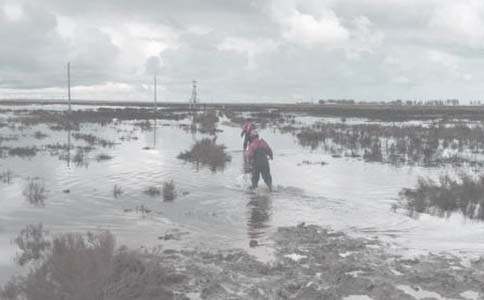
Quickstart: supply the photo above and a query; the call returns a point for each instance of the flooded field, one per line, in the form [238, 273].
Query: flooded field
[120, 170]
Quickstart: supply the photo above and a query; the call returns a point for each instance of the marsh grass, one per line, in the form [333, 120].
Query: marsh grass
[448, 195]
[143, 210]
[207, 121]
[144, 125]
[34, 192]
[169, 191]
[80, 158]
[152, 191]
[117, 191]
[8, 138]
[103, 157]
[6, 176]
[91, 140]
[32, 243]
[207, 152]
[89, 267]
[23, 152]
[433, 145]
[40, 135]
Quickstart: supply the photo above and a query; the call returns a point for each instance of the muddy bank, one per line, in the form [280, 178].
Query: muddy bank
[314, 263]
[309, 263]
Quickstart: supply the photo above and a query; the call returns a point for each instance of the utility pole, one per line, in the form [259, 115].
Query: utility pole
[69, 85]
[155, 92]
[193, 98]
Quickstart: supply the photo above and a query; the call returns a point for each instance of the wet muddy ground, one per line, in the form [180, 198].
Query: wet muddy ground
[315, 263]
[95, 172]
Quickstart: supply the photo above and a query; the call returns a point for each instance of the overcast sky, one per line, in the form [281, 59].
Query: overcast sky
[260, 50]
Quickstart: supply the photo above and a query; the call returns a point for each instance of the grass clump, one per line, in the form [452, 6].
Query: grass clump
[34, 191]
[207, 121]
[91, 139]
[32, 243]
[40, 135]
[152, 191]
[80, 158]
[6, 176]
[207, 152]
[27, 152]
[103, 157]
[117, 191]
[90, 267]
[169, 191]
[311, 138]
[464, 194]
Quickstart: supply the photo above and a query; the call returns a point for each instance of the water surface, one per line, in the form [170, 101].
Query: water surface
[215, 209]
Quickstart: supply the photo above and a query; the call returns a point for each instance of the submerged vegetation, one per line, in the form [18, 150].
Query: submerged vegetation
[431, 145]
[103, 157]
[169, 191]
[207, 121]
[40, 135]
[91, 139]
[464, 194]
[80, 158]
[34, 192]
[207, 152]
[117, 191]
[152, 191]
[23, 152]
[6, 176]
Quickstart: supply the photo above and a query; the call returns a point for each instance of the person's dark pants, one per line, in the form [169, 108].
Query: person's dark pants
[261, 167]
[246, 141]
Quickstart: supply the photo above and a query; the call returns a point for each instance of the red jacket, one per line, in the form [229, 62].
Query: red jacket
[247, 128]
[257, 144]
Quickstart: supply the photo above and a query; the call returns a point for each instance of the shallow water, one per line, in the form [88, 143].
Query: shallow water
[216, 210]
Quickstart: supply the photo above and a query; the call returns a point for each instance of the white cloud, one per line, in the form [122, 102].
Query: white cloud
[309, 23]
[364, 38]
[450, 63]
[310, 30]
[401, 80]
[460, 21]
[250, 48]
[445, 59]
[13, 11]
[199, 29]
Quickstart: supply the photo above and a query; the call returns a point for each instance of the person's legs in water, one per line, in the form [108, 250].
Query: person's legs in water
[261, 163]
[246, 141]
[255, 176]
[266, 175]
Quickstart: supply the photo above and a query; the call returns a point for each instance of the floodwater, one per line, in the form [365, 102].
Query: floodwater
[215, 209]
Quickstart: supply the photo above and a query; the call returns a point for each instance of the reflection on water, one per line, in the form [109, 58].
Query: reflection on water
[69, 147]
[246, 166]
[155, 126]
[259, 214]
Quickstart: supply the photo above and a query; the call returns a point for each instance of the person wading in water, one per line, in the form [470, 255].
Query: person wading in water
[246, 130]
[258, 154]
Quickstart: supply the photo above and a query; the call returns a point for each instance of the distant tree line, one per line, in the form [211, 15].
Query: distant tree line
[398, 102]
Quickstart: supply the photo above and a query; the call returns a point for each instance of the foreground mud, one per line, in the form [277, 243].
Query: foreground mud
[314, 263]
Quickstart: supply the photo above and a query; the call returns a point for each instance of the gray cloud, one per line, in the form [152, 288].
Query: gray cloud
[244, 50]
